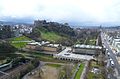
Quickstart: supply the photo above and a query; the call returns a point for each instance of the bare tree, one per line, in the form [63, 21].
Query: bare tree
[40, 71]
[68, 70]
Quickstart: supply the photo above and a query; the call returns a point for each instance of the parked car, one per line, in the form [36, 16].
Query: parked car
[112, 63]
[108, 53]
[110, 59]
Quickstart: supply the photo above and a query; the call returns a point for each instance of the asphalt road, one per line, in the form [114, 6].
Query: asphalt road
[112, 55]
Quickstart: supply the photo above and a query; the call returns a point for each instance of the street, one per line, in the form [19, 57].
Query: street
[112, 55]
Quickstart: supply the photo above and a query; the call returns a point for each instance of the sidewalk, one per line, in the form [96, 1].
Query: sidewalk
[83, 75]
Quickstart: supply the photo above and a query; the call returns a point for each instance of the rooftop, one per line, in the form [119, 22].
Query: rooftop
[87, 46]
[39, 43]
[53, 45]
[66, 54]
[35, 43]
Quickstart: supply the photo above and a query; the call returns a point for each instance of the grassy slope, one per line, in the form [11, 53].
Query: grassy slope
[50, 36]
[19, 44]
[79, 72]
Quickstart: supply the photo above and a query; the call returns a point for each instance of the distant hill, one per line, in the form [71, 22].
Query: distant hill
[10, 23]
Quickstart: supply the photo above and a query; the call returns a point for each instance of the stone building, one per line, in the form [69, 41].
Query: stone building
[52, 47]
[86, 49]
[44, 46]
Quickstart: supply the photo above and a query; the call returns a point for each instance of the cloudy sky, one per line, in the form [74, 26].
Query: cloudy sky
[75, 12]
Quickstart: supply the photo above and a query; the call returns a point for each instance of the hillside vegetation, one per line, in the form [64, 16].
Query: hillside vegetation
[63, 34]
[53, 34]
[4, 46]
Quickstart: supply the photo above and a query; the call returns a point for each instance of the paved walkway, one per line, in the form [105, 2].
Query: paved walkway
[21, 41]
[83, 75]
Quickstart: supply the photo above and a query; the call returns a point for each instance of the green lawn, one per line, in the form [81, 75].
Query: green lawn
[18, 44]
[74, 68]
[21, 38]
[51, 36]
[54, 65]
[79, 72]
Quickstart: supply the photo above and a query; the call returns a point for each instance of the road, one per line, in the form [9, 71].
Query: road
[112, 55]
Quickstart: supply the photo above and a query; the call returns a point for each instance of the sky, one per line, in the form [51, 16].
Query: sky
[74, 12]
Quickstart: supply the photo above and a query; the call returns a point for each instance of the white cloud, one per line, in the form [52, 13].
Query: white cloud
[63, 10]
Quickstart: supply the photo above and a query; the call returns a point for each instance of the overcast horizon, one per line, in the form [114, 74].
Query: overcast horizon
[74, 12]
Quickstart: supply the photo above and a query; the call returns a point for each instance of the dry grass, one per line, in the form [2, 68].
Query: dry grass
[48, 73]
